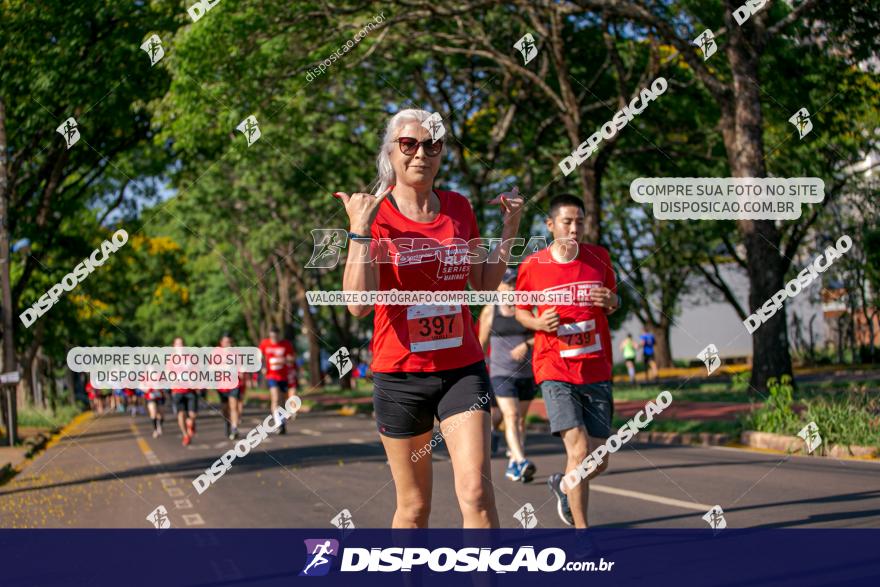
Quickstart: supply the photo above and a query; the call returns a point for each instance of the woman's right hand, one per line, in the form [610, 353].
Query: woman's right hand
[362, 209]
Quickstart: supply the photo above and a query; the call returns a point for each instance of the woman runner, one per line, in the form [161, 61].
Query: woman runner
[427, 362]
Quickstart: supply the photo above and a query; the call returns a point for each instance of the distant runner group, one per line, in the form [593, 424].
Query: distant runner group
[279, 371]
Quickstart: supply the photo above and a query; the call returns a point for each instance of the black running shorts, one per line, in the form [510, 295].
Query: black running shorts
[186, 402]
[406, 404]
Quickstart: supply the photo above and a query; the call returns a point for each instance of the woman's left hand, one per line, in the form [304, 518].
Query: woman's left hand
[511, 206]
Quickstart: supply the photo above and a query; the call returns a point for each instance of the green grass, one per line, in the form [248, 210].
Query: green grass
[851, 419]
[843, 417]
[709, 392]
[689, 426]
[32, 417]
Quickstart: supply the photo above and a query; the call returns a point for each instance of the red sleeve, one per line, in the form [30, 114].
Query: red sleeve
[522, 284]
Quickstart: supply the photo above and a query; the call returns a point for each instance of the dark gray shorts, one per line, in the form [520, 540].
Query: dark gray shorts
[570, 405]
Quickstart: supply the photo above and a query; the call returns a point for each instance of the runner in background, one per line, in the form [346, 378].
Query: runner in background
[186, 402]
[573, 355]
[231, 395]
[646, 343]
[510, 369]
[118, 400]
[131, 401]
[495, 413]
[155, 400]
[105, 397]
[94, 398]
[628, 348]
[278, 358]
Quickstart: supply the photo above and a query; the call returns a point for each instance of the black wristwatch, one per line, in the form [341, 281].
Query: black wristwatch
[355, 236]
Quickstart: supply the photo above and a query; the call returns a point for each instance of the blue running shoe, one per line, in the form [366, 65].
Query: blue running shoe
[514, 471]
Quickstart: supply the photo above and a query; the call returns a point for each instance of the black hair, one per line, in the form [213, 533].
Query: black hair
[565, 200]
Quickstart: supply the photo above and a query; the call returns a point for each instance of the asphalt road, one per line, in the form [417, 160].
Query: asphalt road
[108, 472]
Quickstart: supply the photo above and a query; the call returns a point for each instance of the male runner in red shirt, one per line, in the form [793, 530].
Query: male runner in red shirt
[186, 402]
[278, 360]
[572, 354]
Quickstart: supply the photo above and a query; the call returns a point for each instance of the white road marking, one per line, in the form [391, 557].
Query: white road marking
[310, 432]
[193, 520]
[689, 505]
[357, 441]
[182, 504]
[174, 491]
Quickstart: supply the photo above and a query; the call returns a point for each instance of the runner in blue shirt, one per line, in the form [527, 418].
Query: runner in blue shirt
[646, 343]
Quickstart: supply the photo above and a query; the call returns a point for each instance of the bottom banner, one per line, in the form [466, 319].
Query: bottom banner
[604, 556]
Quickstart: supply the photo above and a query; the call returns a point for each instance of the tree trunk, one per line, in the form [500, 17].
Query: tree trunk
[589, 179]
[743, 136]
[311, 327]
[662, 346]
[9, 393]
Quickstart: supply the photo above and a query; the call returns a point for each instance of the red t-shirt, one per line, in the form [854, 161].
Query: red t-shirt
[424, 338]
[580, 350]
[226, 387]
[274, 358]
[179, 368]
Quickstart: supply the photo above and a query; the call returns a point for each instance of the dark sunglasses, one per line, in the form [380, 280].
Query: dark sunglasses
[409, 146]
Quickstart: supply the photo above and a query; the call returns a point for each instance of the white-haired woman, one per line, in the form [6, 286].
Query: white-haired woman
[427, 361]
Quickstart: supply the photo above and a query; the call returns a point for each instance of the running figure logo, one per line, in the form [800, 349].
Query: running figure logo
[706, 43]
[153, 47]
[341, 359]
[810, 434]
[434, 125]
[526, 516]
[715, 518]
[251, 129]
[70, 131]
[327, 248]
[526, 46]
[159, 518]
[709, 356]
[801, 121]
[343, 520]
[320, 554]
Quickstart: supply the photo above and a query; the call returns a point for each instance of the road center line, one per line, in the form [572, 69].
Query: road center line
[688, 505]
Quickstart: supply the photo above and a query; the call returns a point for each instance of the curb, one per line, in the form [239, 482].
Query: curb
[795, 445]
[42, 443]
[686, 438]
